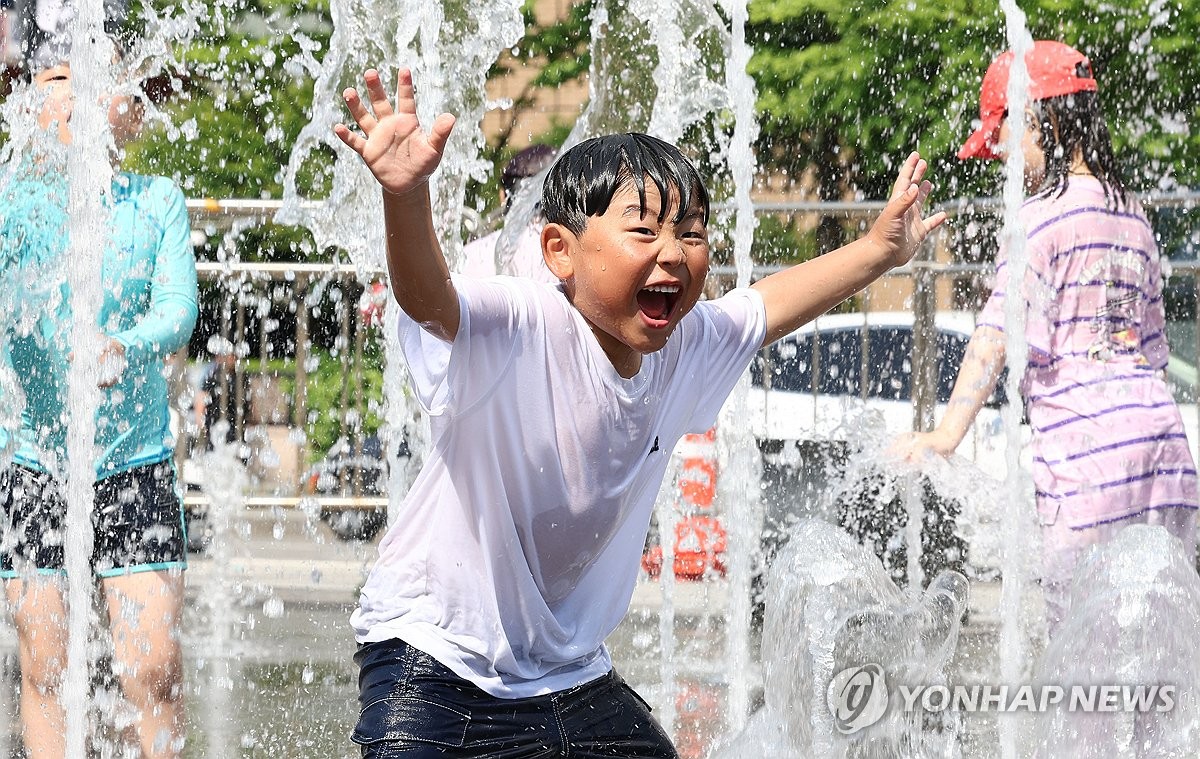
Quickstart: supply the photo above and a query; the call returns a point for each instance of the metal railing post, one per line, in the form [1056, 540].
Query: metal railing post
[300, 391]
[924, 349]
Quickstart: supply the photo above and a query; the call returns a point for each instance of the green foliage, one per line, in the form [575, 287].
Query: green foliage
[326, 420]
[779, 241]
[560, 47]
[851, 87]
[246, 93]
[325, 388]
[560, 50]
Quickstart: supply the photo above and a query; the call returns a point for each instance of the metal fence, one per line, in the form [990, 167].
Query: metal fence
[307, 380]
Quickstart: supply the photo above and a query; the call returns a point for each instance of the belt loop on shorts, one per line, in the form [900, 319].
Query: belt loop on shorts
[408, 662]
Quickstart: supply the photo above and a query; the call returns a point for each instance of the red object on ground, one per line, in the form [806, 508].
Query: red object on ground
[699, 718]
[699, 546]
[372, 304]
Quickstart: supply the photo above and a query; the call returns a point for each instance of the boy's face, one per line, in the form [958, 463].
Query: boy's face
[632, 277]
[124, 113]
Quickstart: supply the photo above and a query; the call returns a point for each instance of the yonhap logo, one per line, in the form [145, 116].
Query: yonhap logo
[857, 697]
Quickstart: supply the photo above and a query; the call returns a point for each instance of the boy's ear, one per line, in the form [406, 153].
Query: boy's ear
[557, 242]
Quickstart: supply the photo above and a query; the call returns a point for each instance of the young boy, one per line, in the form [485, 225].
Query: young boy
[554, 413]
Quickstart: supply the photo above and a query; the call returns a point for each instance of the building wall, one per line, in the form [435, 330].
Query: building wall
[550, 107]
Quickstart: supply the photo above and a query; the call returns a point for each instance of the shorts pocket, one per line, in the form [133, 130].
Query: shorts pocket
[408, 718]
[638, 696]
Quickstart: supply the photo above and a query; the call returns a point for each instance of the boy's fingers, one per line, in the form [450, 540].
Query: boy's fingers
[935, 221]
[352, 140]
[924, 188]
[904, 198]
[919, 170]
[905, 177]
[378, 97]
[406, 99]
[439, 132]
[362, 116]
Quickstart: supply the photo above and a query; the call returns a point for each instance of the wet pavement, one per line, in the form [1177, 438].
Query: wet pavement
[279, 681]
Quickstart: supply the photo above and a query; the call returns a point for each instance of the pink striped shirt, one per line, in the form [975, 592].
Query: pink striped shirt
[1108, 439]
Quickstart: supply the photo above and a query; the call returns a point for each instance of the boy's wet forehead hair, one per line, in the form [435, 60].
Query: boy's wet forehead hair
[584, 180]
[56, 51]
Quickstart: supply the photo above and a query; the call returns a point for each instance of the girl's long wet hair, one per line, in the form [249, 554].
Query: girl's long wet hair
[1073, 125]
[584, 180]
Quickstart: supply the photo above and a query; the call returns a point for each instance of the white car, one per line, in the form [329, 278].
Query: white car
[823, 415]
[810, 385]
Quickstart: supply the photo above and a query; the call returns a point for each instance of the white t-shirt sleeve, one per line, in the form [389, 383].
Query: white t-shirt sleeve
[719, 344]
[490, 313]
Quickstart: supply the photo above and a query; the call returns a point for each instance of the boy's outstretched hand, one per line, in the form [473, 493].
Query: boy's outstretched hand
[900, 229]
[396, 150]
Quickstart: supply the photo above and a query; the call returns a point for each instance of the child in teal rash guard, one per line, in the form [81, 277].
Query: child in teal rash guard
[148, 309]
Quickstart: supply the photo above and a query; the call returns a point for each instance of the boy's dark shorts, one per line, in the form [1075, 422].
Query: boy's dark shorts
[137, 522]
[414, 707]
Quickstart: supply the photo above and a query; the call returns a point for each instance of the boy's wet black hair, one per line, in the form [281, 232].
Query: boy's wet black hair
[584, 180]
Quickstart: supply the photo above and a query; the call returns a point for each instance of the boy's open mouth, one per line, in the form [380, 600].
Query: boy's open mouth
[657, 302]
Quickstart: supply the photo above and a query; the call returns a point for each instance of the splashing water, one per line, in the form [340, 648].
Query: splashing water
[449, 55]
[1134, 620]
[745, 466]
[835, 608]
[1018, 485]
[225, 482]
[90, 181]
[683, 98]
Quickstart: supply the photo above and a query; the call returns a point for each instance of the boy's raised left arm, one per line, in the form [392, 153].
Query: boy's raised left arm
[798, 295]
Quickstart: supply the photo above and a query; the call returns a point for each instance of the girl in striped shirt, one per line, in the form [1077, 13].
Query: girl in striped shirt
[1108, 441]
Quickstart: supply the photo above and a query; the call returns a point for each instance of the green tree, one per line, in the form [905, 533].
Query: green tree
[241, 96]
[847, 89]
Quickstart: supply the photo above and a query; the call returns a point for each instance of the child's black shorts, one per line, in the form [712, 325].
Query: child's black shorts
[137, 522]
[413, 706]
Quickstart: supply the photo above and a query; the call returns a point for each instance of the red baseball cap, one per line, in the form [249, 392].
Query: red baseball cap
[1054, 69]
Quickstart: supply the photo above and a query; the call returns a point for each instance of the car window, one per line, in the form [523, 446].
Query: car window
[839, 369]
[952, 348]
[1182, 379]
[889, 364]
[790, 365]
[839, 366]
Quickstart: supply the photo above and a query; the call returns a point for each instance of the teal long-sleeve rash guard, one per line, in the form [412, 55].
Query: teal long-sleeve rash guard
[148, 304]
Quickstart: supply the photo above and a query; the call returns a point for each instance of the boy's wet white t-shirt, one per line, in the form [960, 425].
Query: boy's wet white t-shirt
[515, 553]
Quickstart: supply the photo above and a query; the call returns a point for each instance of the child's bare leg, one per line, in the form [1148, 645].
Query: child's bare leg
[40, 616]
[145, 610]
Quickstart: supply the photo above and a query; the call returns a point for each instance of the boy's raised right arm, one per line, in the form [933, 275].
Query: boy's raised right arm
[402, 157]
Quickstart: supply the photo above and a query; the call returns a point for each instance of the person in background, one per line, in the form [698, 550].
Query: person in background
[479, 256]
[148, 309]
[217, 397]
[1109, 448]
